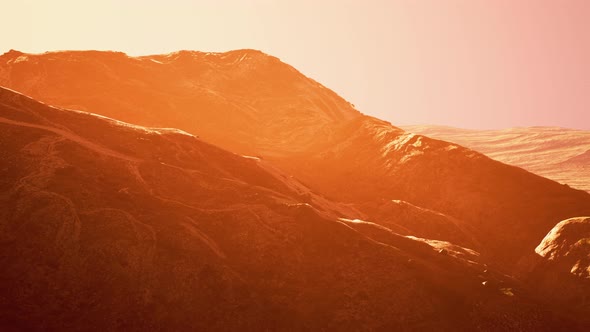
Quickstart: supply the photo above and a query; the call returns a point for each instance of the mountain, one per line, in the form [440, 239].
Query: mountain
[304, 209]
[559, 154]
[255, 96]
[251, 103]
[105, 225]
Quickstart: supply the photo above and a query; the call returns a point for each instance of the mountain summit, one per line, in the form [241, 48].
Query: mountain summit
[255, 96]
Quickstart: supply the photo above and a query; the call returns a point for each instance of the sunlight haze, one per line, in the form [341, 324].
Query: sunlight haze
[463, 63]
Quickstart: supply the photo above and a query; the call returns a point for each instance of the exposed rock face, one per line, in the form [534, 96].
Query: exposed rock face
[560, 268]
[568, 244]
[111, 226]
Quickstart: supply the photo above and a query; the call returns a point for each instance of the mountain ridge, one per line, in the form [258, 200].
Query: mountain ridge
[554, 152]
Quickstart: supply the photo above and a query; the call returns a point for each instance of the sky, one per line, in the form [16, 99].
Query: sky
[481, 64]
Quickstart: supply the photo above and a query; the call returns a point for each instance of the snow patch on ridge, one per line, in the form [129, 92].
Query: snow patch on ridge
[399, 143]
[354, 221]
[157, 131]
[22, 58]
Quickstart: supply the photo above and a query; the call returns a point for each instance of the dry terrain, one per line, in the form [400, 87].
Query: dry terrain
[272, 205]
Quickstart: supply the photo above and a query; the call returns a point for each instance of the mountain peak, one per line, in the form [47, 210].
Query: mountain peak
[237, 86]
[13, 52]
[250, 57]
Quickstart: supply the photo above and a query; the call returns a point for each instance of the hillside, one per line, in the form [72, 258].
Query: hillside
[252, 103]
[254, 96]
[106, 225]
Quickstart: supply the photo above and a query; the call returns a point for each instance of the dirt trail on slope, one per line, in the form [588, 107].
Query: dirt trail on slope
[75, 138]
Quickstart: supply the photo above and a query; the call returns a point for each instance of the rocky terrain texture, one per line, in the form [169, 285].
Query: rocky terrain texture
[107, 225]
[275, 205]
[560, 268]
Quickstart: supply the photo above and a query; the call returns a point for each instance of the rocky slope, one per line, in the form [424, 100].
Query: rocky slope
[508, 209]
[265, 106]
[252, 103]
[559, 154]
[110, 226]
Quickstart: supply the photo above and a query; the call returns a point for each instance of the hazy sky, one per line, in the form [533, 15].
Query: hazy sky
[465, 63]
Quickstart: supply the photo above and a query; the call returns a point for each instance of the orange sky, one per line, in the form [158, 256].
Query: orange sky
[466, 63]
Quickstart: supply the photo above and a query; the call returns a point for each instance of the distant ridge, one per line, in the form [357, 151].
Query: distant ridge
[553, 152]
